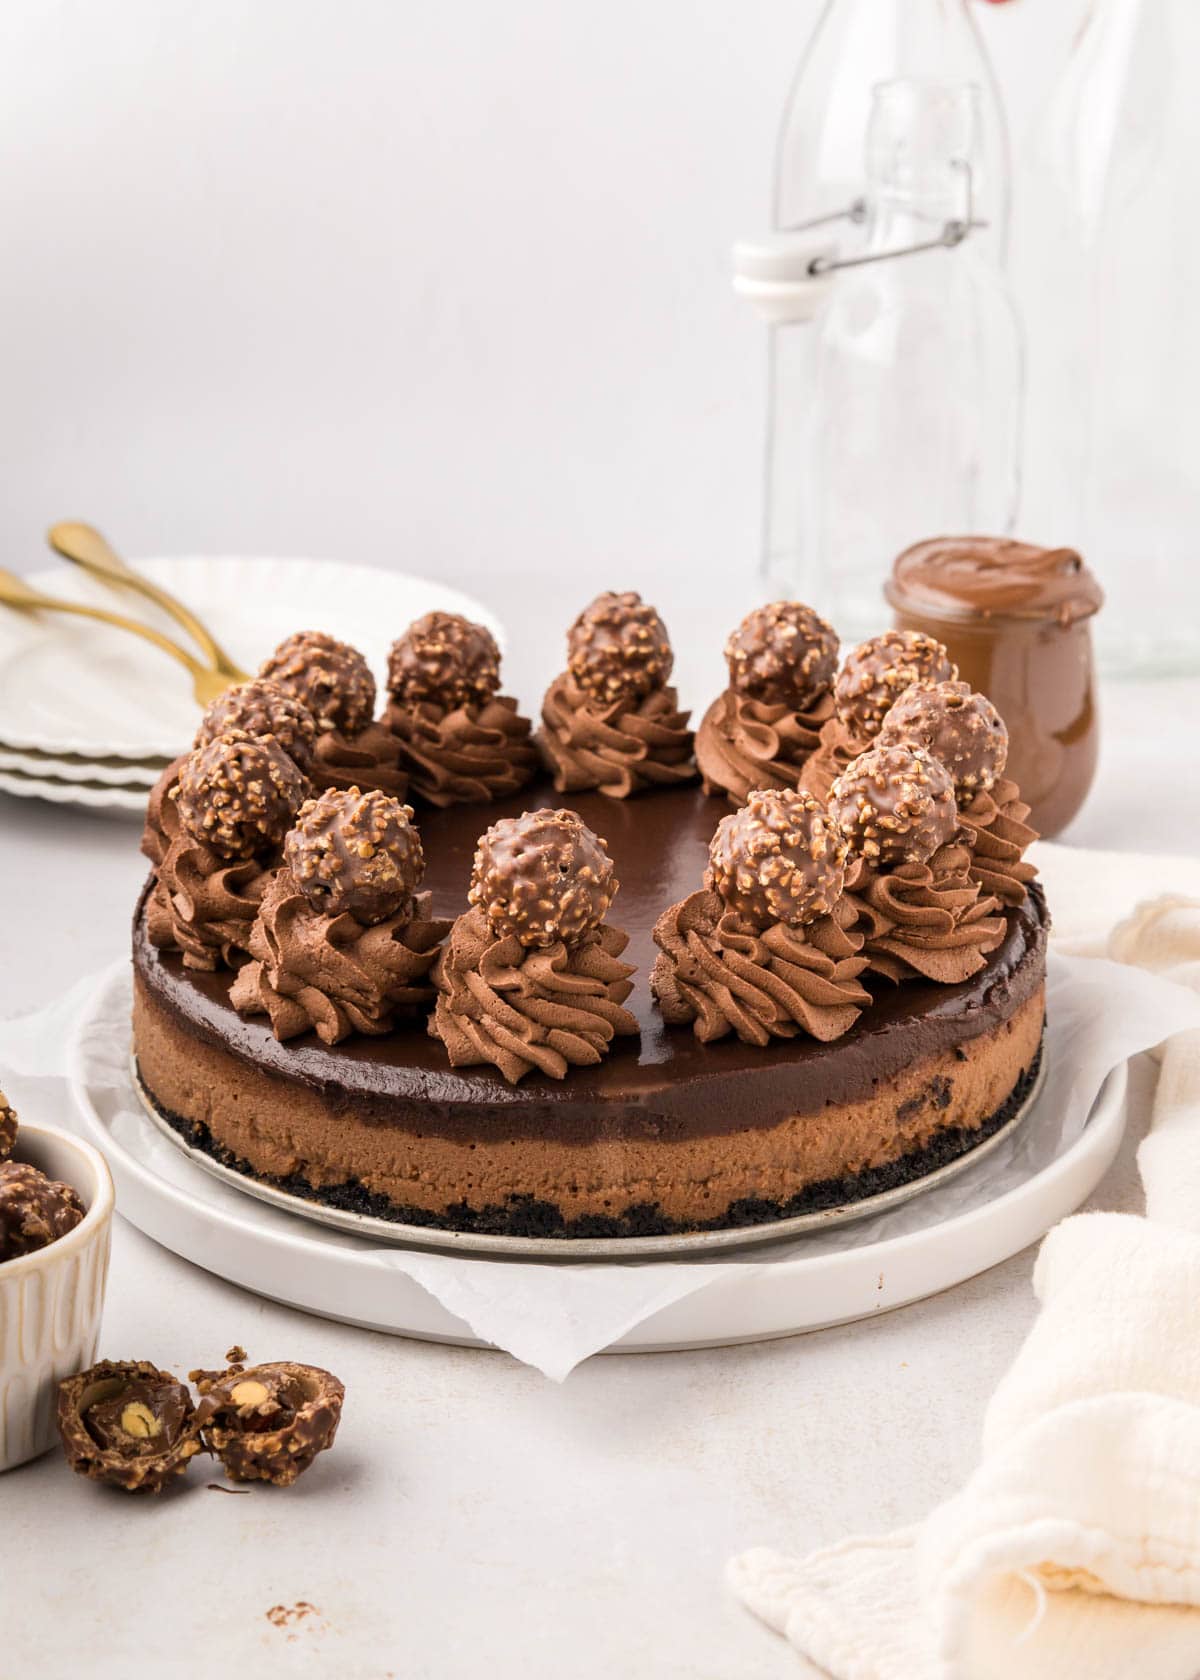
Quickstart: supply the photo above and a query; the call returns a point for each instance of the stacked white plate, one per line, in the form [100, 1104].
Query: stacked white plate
[90, 715]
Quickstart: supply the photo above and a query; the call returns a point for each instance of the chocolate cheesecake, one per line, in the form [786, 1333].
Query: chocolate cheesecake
[665, 1133]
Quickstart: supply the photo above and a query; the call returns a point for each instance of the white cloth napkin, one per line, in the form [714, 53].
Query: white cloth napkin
[1073, 1553]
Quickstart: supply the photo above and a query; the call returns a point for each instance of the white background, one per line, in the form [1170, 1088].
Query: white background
[440, 286]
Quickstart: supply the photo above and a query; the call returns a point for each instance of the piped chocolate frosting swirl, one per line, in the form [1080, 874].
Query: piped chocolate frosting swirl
[458, 740]
[759, 733]
[530, 976]
[334, 974]
[767, 950]
[610, 721]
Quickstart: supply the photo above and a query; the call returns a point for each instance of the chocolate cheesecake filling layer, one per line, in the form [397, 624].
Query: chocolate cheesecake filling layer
[663, 1085]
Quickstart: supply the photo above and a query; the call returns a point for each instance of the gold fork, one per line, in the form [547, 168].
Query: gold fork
[206, 682]
[84, 546]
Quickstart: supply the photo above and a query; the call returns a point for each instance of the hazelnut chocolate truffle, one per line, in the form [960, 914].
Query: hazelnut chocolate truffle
[8, 1127]
[356, 852]
[127, 1423]
[878, 671]
[267, 1423]
[262, 707]
[34, 1210]
[894, 804]
[778, 859]
[329, 677]
[239, 793]
[543, 876]
[782, 654]
[618, 649]
[445, 660]
[960, 728]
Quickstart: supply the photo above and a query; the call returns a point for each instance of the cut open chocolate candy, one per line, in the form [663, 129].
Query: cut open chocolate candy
[127, 1423]
[267, 1423]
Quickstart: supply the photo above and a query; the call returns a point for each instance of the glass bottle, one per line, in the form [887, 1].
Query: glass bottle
[819, 173]
[1106, 254]
[913, 407]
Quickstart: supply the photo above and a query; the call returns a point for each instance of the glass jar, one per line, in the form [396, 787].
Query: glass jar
[913, 412]
[1105, 253]
[820, 176]
[1016, 620]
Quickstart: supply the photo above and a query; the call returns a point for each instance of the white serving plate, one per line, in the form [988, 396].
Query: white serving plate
[95, 796]
[112, 772]
[70, 686]
[360, 1281]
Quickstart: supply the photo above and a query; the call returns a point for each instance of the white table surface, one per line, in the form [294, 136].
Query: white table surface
[475, 1519]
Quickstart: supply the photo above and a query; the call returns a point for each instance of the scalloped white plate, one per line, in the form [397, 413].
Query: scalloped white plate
[115, 772]
[68, 686]
[96, 796]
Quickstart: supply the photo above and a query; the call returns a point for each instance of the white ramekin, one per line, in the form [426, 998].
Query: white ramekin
[51, 1301]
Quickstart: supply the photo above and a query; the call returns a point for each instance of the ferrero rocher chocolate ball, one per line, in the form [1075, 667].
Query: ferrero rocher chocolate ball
[782, 654]
[960, 728]
[127, 1423]
[329, 677]
[356, 852]
[8, 1127]
[34, 1210]
[238, 793]
[263, 707]
[618, 649]
[267, 1423]
[895, 804]
[543, 876]
[877, 672]
[445, 659]
[778, 859]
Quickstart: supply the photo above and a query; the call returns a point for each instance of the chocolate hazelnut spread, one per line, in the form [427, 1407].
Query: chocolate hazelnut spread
[1016, 620]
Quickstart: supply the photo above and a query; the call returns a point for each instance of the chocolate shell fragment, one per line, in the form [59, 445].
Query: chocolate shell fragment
[266, 1423]
[127, 1423]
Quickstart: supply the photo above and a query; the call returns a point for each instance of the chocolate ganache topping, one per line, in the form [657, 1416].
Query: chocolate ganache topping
[610, 721]
[767, 950]
[919, 909]
[995, 576]
[222, 821]
[759, 733]
[530, 976]
[459, 741]
[876, 673]
[342, 942]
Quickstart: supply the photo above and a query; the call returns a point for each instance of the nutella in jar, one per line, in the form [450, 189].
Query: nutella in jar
[1017, 622]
